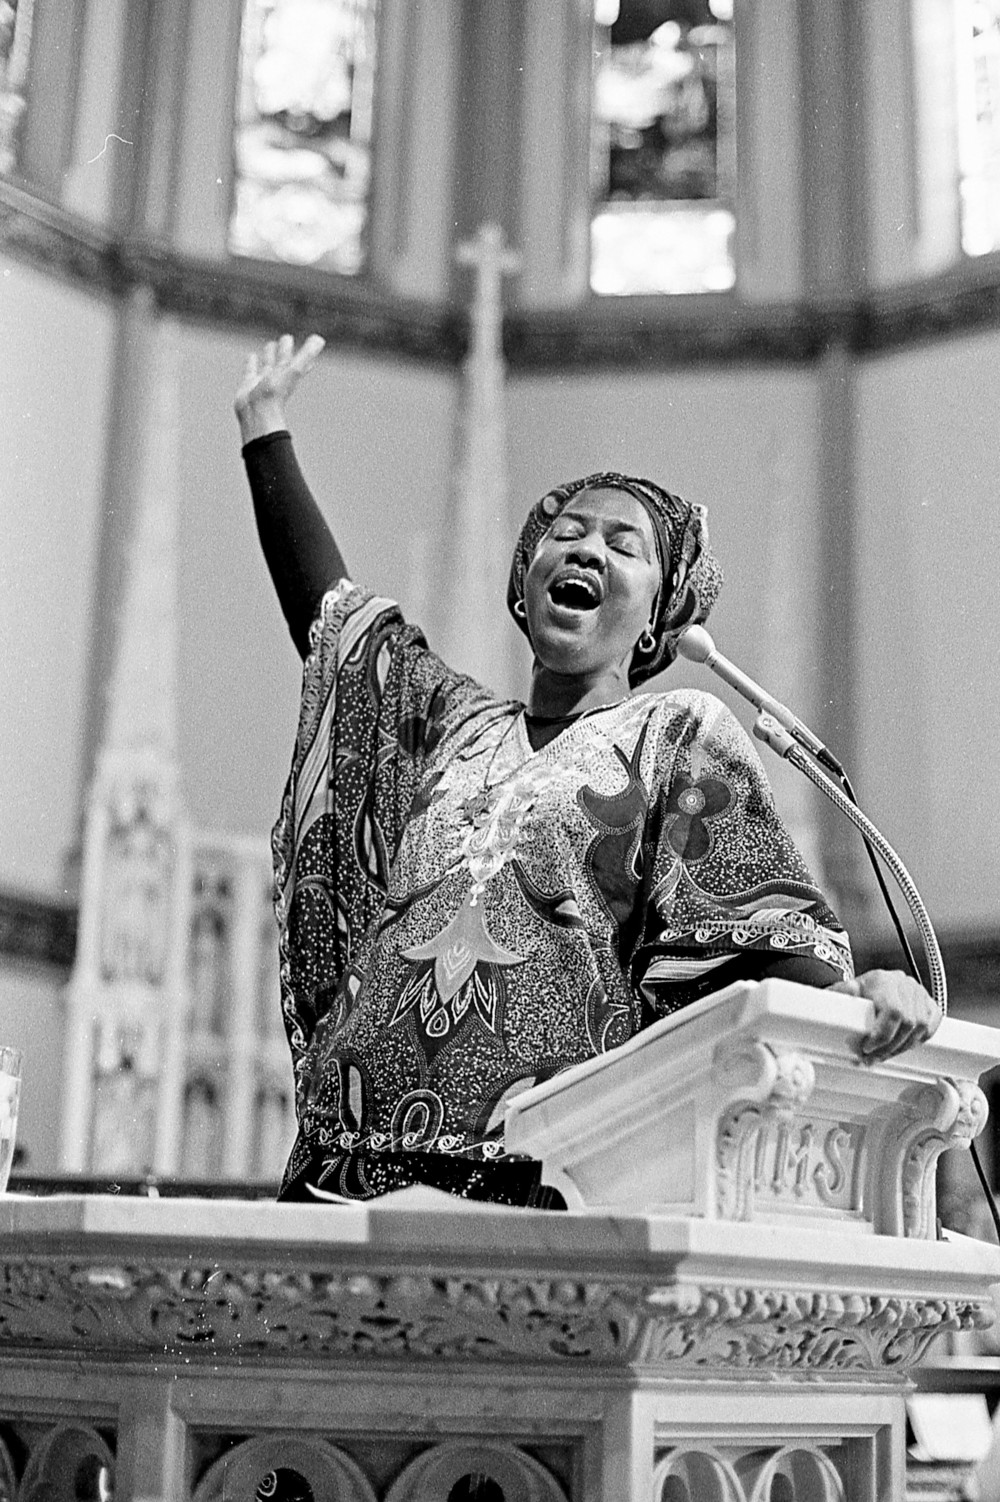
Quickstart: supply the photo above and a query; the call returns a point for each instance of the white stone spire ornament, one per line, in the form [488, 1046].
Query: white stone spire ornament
[478, 538]
[127, 991]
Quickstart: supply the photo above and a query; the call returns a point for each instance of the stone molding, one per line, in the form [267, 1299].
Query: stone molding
[650, 333]
[243, 293]
[189, 1312]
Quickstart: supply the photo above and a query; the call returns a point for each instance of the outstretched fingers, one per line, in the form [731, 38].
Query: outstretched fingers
[271, 375]
[308, 354]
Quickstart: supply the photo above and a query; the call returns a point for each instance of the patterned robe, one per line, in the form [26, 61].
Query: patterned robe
[461, 917]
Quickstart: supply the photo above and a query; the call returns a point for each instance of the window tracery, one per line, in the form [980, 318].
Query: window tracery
[303, 132]
[663, 147]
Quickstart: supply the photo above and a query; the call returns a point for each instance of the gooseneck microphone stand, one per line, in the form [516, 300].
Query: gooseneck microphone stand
[790, 739]
[767, 729]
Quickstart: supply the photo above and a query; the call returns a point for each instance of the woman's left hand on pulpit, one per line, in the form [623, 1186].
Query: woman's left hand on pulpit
[905, 1014]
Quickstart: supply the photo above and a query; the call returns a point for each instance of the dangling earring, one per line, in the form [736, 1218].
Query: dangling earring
[520, 611]
[646, 643]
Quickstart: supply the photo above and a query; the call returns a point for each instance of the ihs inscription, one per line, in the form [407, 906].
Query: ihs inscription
[764, 1159]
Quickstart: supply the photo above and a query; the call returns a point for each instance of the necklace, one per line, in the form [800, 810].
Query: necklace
[474, 807]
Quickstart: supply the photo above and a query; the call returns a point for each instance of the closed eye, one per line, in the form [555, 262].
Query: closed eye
[622, 539]
[622, 542]
[628, 545]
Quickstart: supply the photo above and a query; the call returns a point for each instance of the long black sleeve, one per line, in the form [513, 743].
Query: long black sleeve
[298, 546]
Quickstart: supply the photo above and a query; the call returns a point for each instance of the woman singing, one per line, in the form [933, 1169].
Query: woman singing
[475, 893]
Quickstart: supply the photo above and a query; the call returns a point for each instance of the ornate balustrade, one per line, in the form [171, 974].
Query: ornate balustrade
[422, 1349]
[179, 1348]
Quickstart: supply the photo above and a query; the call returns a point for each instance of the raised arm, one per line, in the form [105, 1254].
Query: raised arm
[298, 546]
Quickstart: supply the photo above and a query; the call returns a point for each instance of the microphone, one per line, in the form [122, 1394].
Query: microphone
[788, 737]
[697, 646]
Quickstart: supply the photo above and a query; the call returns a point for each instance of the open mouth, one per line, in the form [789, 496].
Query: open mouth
[575, 592]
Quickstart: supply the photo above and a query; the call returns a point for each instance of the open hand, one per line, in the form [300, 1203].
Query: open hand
[905, 1014]
[269, 380]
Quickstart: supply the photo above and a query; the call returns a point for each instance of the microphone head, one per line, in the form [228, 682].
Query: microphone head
[695, 644]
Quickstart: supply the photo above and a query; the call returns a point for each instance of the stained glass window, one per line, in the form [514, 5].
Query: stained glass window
[978, 79]
[663, 146]
[15, 31]
[303, 132]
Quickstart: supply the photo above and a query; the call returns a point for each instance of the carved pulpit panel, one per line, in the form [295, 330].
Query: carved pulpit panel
[755, 1105]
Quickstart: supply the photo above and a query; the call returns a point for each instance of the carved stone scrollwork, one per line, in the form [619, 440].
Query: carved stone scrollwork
[250, 1469]
[223, 1315]
[735, 1150]
[778, 1081]
[759, 1329]
[71, 1461]
[520, 1477]
[929, 1119]
[794, 1082]
[962, 1116]
[771, 1087]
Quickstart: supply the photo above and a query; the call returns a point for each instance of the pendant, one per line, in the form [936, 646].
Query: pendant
[475, 807]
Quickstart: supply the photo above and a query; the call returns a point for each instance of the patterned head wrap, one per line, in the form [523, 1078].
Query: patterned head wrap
[690, 574]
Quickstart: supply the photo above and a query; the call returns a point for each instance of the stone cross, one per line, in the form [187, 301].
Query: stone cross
[477, 541]
[486, 254]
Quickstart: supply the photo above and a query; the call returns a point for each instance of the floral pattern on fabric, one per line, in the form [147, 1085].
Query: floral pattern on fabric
[695, 805]
[462, 916]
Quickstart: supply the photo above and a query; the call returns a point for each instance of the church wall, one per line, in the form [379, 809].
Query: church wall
[929, 534]
[375, 439]
[54, 394]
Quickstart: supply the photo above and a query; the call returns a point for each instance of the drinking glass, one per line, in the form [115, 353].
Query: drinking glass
[10, 1095]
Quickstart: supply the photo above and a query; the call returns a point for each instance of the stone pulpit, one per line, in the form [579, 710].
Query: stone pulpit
[748, 1271]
